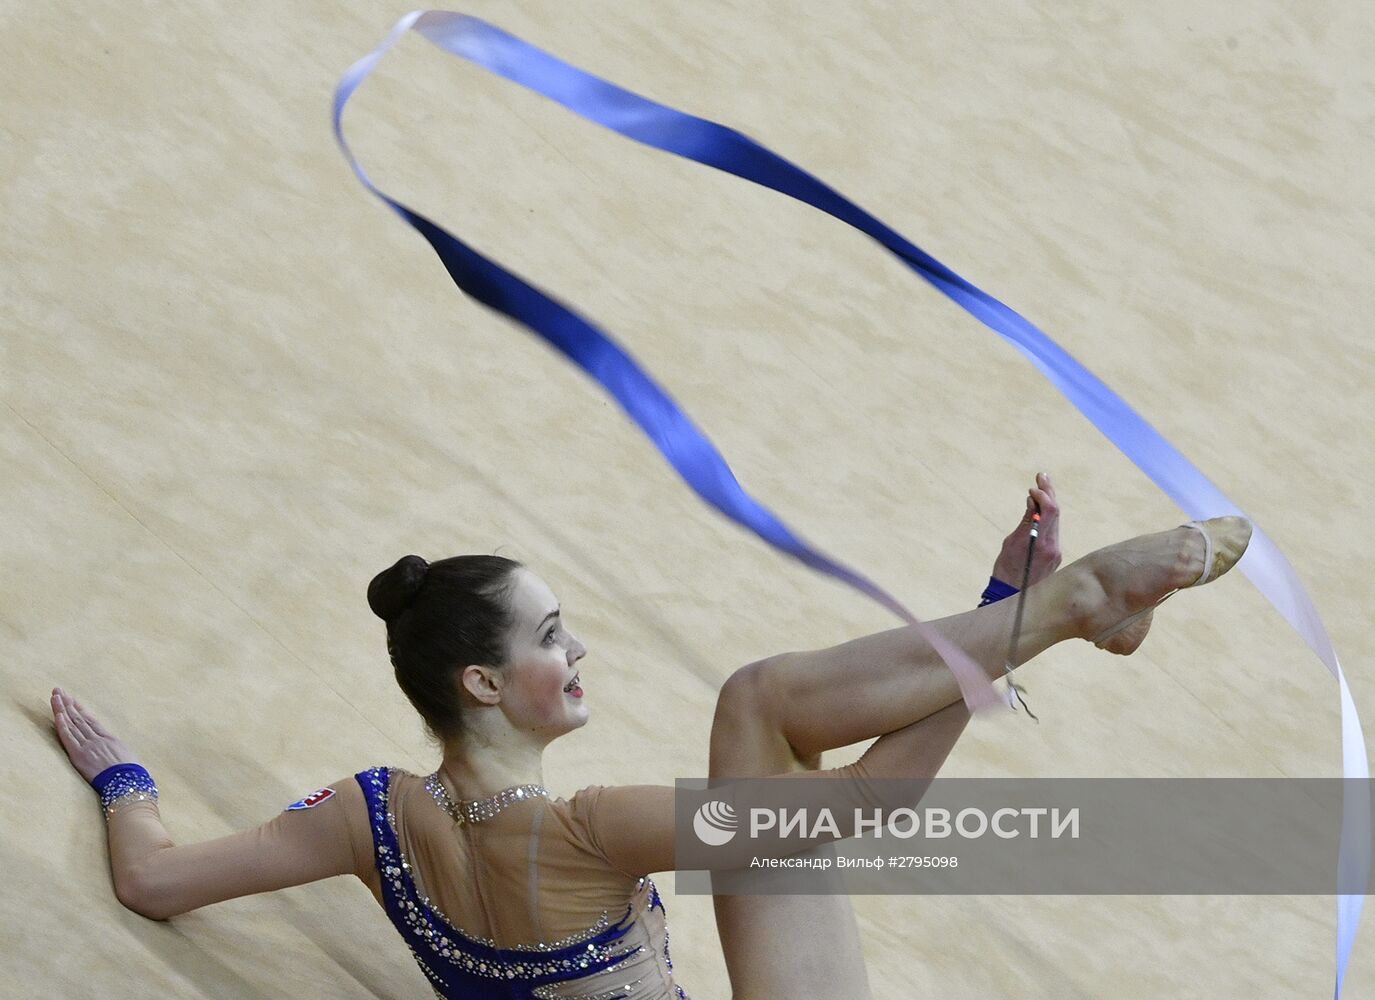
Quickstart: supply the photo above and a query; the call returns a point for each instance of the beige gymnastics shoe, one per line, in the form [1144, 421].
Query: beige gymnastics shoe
[1224, 539]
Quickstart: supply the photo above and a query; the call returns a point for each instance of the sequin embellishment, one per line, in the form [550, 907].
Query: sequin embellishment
[457, 964]
[123, 785]
[476, 810]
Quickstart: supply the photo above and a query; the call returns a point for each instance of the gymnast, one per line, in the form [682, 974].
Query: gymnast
[501, 891]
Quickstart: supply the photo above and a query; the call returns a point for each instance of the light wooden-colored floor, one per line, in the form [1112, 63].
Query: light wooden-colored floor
[234, 387]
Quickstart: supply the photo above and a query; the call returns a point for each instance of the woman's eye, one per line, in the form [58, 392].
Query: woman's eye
[549, 636]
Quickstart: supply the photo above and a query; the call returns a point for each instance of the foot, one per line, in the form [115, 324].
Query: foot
[1125, 642]
[1127, 580]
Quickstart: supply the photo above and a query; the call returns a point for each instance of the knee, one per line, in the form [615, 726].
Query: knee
[747, 694]
[753, 705]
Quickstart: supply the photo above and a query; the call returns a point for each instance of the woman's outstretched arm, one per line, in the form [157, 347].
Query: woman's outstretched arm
[158, 878]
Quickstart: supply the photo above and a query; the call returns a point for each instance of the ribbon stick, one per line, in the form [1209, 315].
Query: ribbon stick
[701, 465]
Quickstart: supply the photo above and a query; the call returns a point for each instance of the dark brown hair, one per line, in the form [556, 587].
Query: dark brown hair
[440, 618]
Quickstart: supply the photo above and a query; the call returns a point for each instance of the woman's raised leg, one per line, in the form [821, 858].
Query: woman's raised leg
[782, 946]
[778, 714]
[822, 699]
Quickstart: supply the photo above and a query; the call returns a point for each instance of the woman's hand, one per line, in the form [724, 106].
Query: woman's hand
[158, 878]
[1045, 559]
[89, 746]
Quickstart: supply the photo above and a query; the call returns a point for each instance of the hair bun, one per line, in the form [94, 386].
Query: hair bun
[392, 590]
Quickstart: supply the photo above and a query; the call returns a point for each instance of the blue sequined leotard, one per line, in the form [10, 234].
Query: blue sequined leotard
[486, 907]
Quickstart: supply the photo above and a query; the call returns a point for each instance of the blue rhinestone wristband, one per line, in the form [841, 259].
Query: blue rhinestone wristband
[123, 784]
[996, 591]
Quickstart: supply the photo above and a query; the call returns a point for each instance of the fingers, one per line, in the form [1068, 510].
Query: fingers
[1043, 493]
[1049, 556]
[81, 721]
[69, 712]
[59, 705]
[99, 729]
[91, 723]
[71, 739]
[1045, 559]
[66, 733]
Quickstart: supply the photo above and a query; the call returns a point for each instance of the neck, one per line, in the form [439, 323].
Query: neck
[475, 772]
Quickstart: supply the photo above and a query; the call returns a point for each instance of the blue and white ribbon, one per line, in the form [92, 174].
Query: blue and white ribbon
[701, 465]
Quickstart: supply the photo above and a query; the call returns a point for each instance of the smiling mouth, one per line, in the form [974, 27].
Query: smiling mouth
[572, 687]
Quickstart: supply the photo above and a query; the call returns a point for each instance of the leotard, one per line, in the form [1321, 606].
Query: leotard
[524, 905]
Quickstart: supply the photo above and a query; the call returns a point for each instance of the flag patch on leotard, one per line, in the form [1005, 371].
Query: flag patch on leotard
[313, 799]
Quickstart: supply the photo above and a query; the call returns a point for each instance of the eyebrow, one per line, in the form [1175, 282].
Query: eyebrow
[552, 614]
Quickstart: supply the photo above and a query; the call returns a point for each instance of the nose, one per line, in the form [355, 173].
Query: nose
[576, 651]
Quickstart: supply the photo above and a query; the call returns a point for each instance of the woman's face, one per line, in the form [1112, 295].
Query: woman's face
[541, 691]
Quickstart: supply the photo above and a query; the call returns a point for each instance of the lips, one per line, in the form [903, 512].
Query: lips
[573, 687]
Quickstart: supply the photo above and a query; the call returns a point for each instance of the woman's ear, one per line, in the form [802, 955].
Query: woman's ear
[482, 683]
